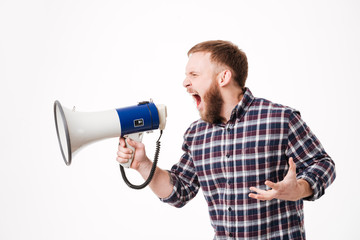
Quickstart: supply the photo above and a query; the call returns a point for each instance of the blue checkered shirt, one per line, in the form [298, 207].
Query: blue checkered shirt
[224, 160]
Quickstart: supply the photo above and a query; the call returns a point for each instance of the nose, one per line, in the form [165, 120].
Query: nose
[186, 82]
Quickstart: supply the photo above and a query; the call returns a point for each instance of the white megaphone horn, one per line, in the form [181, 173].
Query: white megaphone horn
[78, 129]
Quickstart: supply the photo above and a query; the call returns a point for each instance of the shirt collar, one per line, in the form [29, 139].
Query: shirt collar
[242, 107]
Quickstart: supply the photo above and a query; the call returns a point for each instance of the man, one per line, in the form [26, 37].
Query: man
[255, 161]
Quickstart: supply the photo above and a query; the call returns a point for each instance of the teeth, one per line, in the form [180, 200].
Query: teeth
[195, 95]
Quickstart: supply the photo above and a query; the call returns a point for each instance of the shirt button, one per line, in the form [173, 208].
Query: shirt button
[230, 209]
[227, 155]
[231, 235]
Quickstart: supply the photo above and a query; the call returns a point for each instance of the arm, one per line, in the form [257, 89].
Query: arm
[176, 187]
[313, 164]
[161, 182]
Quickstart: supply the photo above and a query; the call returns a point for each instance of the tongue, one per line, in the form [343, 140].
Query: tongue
[198, 100]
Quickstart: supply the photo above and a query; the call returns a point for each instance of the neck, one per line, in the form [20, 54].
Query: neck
[229, 104]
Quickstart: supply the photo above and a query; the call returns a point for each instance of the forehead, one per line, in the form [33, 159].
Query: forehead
[199, 61]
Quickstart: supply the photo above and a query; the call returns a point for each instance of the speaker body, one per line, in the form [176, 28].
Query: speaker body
[76, 130]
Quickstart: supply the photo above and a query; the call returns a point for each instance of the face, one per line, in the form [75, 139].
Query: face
[201, 83]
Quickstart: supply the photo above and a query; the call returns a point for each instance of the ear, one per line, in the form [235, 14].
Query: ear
[224, 78]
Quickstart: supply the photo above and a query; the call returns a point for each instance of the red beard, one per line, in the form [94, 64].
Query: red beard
[213, 104]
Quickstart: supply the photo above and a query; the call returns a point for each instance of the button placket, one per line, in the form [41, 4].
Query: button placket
[229, 209]
[229, 129]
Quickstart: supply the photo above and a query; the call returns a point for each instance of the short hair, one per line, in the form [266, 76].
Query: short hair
[228, 54]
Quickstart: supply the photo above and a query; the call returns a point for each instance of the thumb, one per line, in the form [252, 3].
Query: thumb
[292, 169]
[132, 143]
[292, 165]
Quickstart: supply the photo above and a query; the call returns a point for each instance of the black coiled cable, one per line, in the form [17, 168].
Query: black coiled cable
[152, 172]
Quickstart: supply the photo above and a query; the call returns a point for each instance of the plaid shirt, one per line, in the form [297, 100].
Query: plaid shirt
[253, 146]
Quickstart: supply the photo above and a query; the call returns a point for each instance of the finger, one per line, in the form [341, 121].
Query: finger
[261, 196]
[257, 190]
[125, 150]
[122, 143]
[253, 195]
[271, 184]
[127, 153]
[124, 155]
[122, 160]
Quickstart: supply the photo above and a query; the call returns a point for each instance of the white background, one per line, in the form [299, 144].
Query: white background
[102, 54]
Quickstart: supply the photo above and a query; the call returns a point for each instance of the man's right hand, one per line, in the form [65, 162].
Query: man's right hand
[124, 153]
[161, 182]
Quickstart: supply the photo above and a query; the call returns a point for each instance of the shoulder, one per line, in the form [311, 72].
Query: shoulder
[196, 127]
[264, 106]
[198, 131]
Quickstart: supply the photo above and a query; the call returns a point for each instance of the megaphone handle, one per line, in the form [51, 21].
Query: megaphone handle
[152, 171]
[136, 137]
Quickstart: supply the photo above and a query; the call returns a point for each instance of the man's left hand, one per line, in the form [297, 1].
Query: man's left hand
[290, 188]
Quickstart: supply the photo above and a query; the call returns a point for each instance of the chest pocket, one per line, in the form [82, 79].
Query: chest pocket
[261, 160]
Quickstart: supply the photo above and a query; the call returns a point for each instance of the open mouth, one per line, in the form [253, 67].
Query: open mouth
[197, 99]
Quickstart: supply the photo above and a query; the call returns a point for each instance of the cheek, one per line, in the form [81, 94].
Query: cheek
[206, 85]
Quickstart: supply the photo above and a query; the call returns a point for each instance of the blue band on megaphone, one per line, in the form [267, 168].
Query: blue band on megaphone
[139, 118]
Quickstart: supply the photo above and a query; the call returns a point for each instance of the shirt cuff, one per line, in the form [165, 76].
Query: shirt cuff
[315, 184]
[173, 198]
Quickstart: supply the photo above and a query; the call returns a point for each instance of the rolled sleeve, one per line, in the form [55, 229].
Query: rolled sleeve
[173, 198]
[315, 185]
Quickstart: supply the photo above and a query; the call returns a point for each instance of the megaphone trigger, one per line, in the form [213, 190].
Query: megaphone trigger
[137, 137]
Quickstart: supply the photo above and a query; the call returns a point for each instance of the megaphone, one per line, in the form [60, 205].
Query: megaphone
[75, 130]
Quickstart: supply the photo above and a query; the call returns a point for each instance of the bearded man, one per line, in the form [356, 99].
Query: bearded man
[256, 161]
